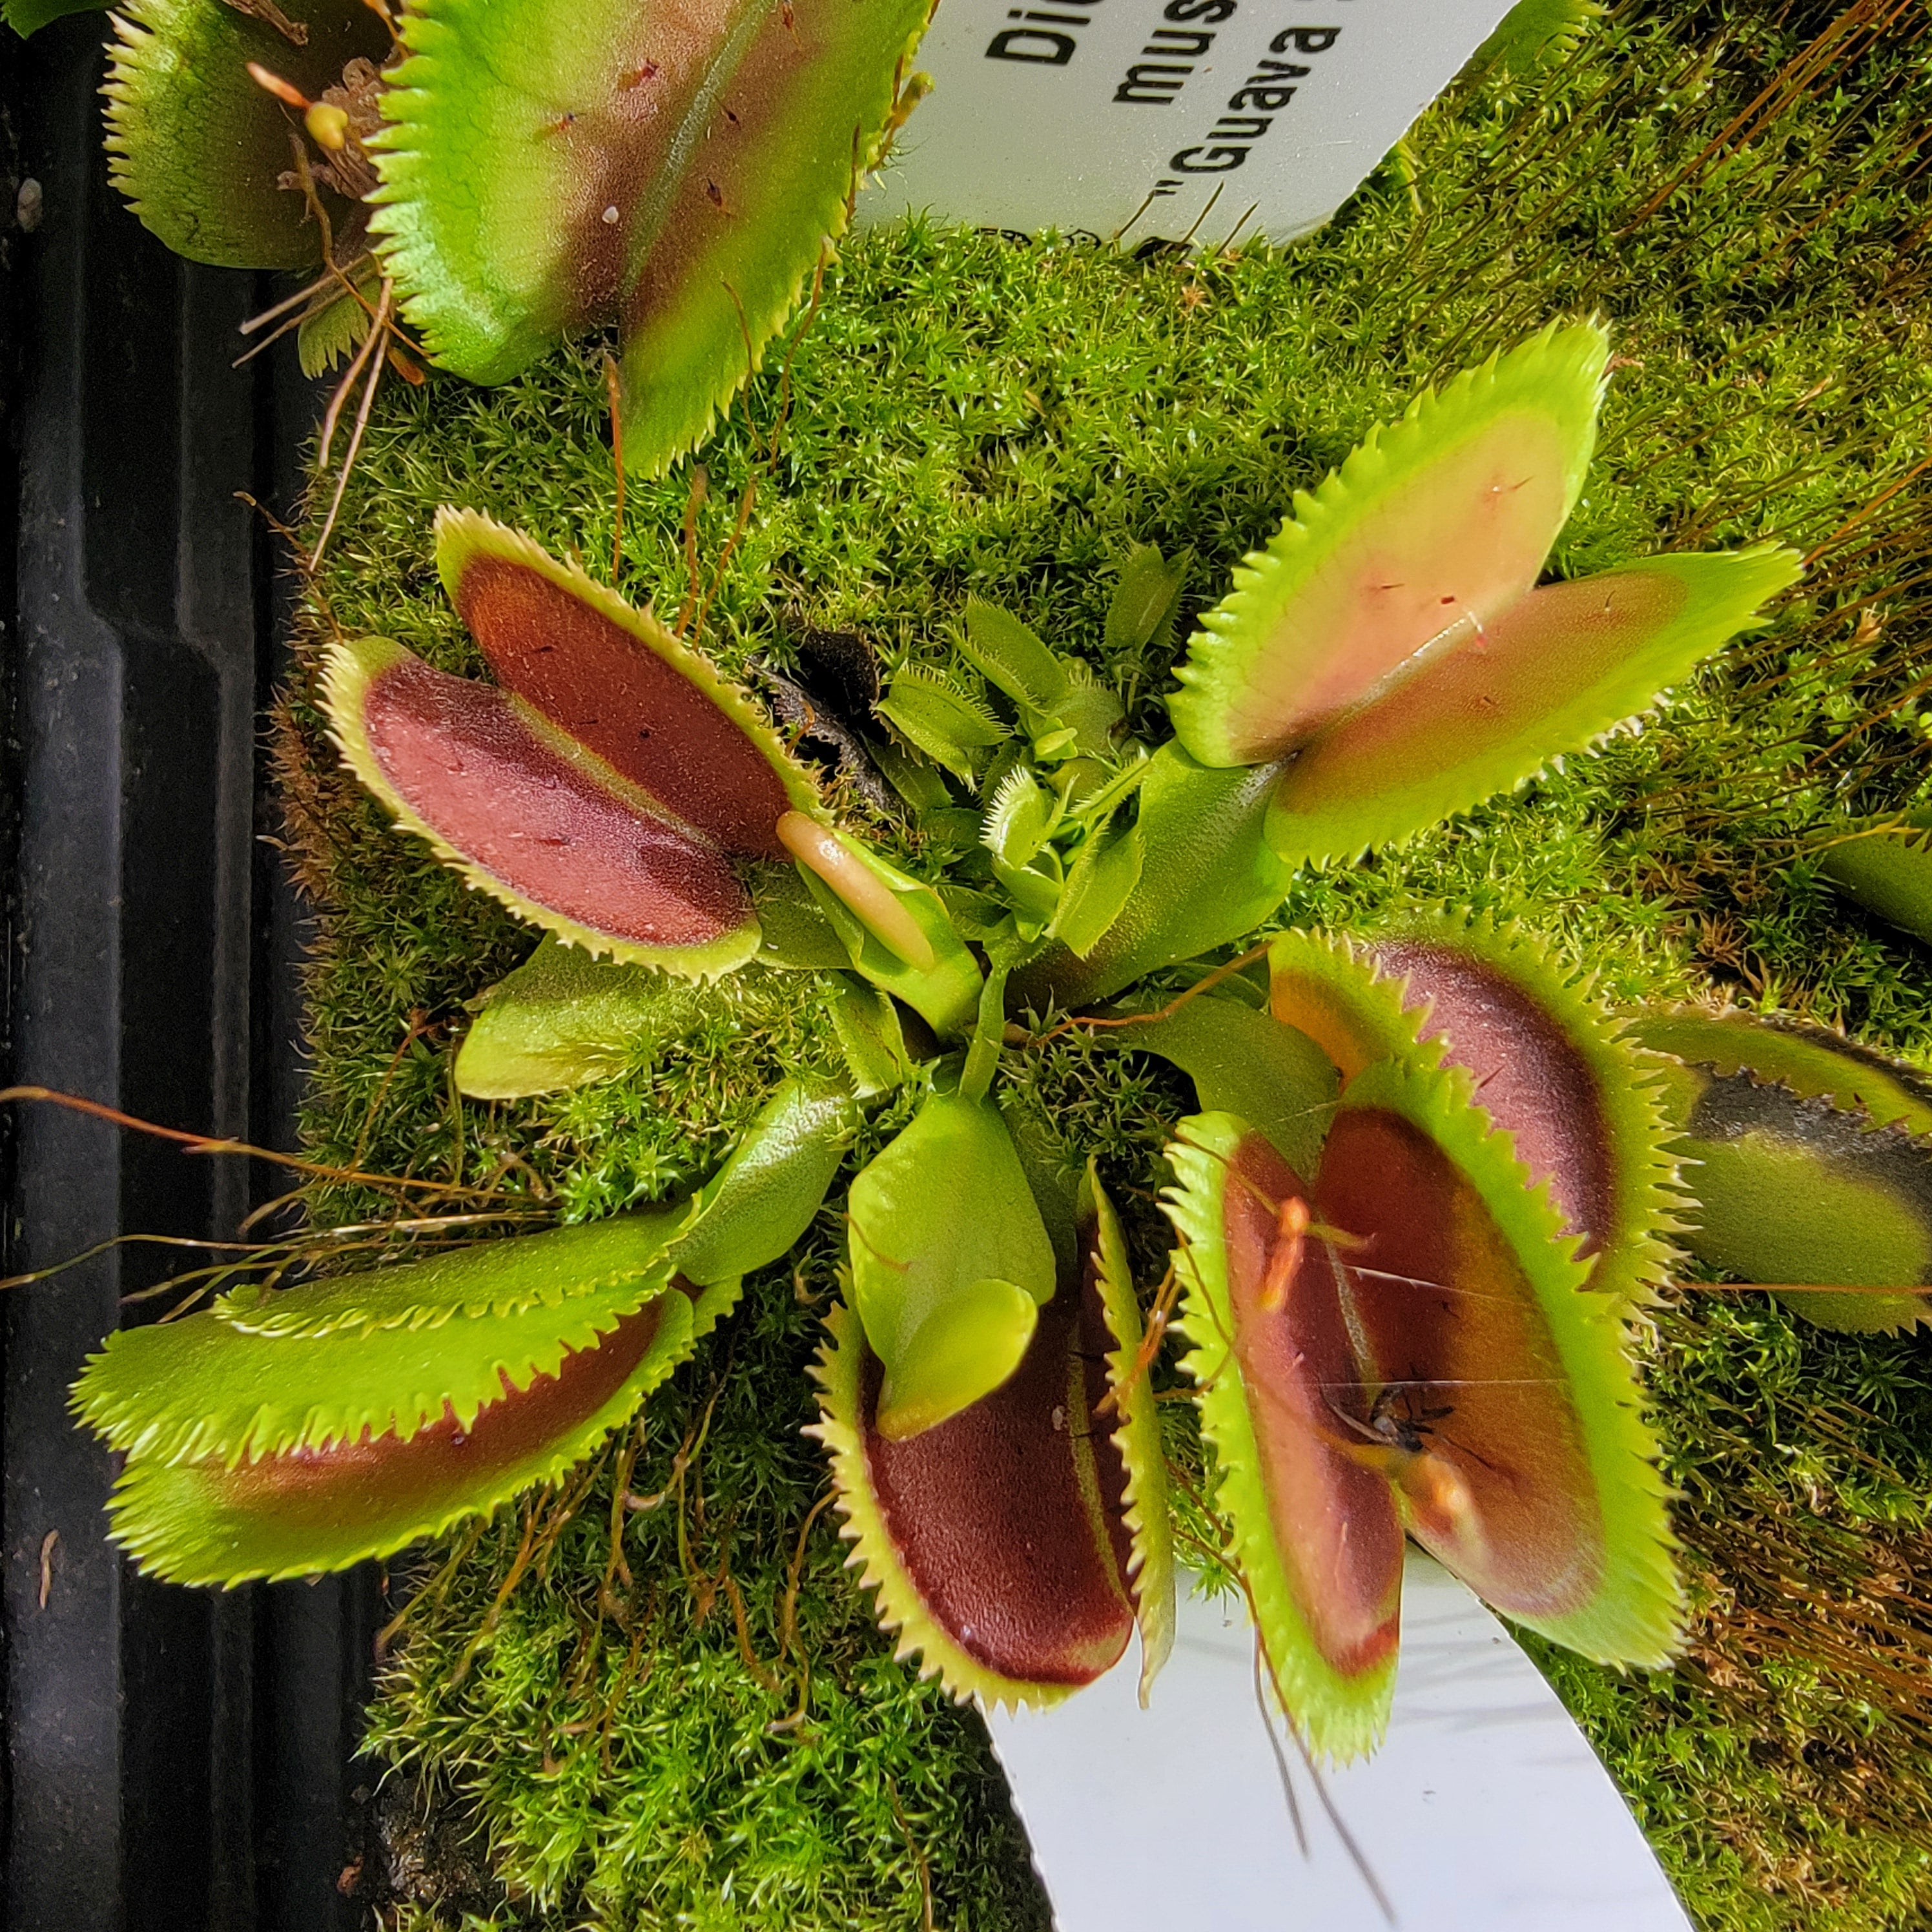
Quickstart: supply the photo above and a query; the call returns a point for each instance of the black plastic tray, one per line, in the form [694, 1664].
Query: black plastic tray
[174, 1758]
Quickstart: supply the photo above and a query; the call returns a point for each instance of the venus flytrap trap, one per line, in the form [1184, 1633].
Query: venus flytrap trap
[648, 842]
[1015, 1543]
[1429, 1182]
[1580, 1105]
[277, 1435]
[1428, 1336]
[1434, 1343]
[1389, 659]
[213, 163]
[1810, 1160]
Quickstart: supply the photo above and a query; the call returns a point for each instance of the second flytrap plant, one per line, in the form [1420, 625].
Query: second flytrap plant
[1428, 1182]
[499, 173]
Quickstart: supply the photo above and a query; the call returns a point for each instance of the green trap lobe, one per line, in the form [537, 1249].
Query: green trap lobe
[1812, 1061]
[1429, 531]
[509, 1277]
[323, 1507]
[1464, 1354]
[515, 126]
[1789, 1188]
[1321, 987]
[1551, 674]
[629, 146]
[1138, 1504]
[756, 182]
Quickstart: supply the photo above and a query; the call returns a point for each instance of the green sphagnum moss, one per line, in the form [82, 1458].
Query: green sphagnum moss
[635, 1736]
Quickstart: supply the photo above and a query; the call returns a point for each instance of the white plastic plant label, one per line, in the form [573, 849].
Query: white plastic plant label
[1485, 1811]
[1133, 120]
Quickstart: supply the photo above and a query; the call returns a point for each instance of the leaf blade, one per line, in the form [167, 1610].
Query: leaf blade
[1207, 876]
[562, 1019]
[1249, 1064]
[764, 1199]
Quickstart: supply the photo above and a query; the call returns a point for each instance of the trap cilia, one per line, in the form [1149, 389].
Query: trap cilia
[1430, 1185]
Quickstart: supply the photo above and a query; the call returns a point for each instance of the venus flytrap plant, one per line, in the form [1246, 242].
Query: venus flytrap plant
[496, 176]
[1737, 1766]
[1408, 1241]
